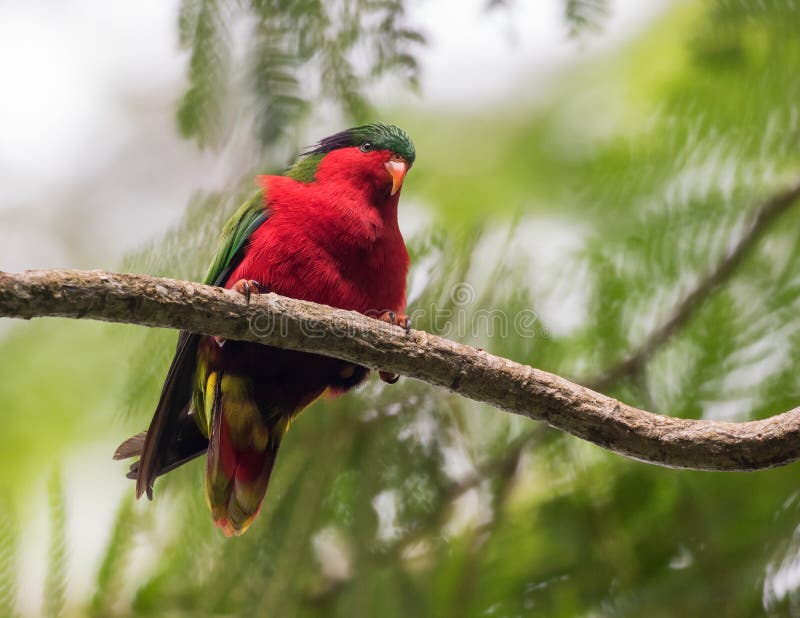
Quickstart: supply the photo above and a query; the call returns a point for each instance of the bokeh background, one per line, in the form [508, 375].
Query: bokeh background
[582, 161]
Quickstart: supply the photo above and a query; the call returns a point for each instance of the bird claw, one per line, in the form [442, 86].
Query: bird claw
[246, 287]
[395, 319]
[404, 322]
[388, 377]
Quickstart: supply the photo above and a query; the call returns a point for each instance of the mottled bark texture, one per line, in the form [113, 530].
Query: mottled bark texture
[473, 373]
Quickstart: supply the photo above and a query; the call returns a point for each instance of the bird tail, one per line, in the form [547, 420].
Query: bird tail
[186, 444]
[242, 450]
[174, 436]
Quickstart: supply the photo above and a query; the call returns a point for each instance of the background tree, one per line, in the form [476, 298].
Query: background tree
[410, 501]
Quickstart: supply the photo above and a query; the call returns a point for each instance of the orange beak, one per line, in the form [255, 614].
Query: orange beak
[397, 169]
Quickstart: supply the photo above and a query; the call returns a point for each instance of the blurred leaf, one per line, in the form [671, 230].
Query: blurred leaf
[583, 15]
[8, 561]
[110, 576]
[202, 29]
[298, 52]
[56, 580]
[590, 209]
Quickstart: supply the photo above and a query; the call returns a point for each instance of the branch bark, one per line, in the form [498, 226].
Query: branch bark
[299, 325]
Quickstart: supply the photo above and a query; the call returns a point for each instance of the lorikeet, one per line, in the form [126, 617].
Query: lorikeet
[326, 231]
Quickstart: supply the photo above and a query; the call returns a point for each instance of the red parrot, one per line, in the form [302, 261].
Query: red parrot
[326, 231]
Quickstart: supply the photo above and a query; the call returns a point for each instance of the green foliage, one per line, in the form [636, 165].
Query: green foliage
[55, 583]
[202, 28]
[8, 561]
[405, 500]
[583, 15]
[110, 576]
[341, 49]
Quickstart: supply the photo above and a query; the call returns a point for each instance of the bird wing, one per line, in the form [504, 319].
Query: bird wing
[174, 436]
[233, 242]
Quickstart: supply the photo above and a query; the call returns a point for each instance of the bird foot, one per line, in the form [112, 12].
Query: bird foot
[396, 319]
[245, 287]
[402, 321]
[388, 377]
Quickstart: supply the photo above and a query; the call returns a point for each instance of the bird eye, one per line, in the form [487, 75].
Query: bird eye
[366, 147]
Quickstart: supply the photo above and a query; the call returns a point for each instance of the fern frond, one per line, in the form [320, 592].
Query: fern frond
[585, 15]
[55, 584]
[112, 567]
[8, 562]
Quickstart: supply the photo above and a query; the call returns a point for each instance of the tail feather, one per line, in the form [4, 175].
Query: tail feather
[185, 444]
[132, 447]
[173, 406]
[241, 454]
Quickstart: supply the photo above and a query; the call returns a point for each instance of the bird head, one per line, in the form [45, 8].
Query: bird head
[375, 156]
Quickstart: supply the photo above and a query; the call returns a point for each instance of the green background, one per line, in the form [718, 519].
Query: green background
[597, 205]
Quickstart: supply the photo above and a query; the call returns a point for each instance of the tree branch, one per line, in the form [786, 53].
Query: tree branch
[299, 325]
[686, 308]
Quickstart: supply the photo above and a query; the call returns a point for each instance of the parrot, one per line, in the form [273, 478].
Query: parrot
[325, 231]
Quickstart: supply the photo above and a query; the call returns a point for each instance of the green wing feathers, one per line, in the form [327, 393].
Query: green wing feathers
[235, 235]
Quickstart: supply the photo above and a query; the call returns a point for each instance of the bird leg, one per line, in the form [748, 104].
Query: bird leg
[245, 287]
[394, 319]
